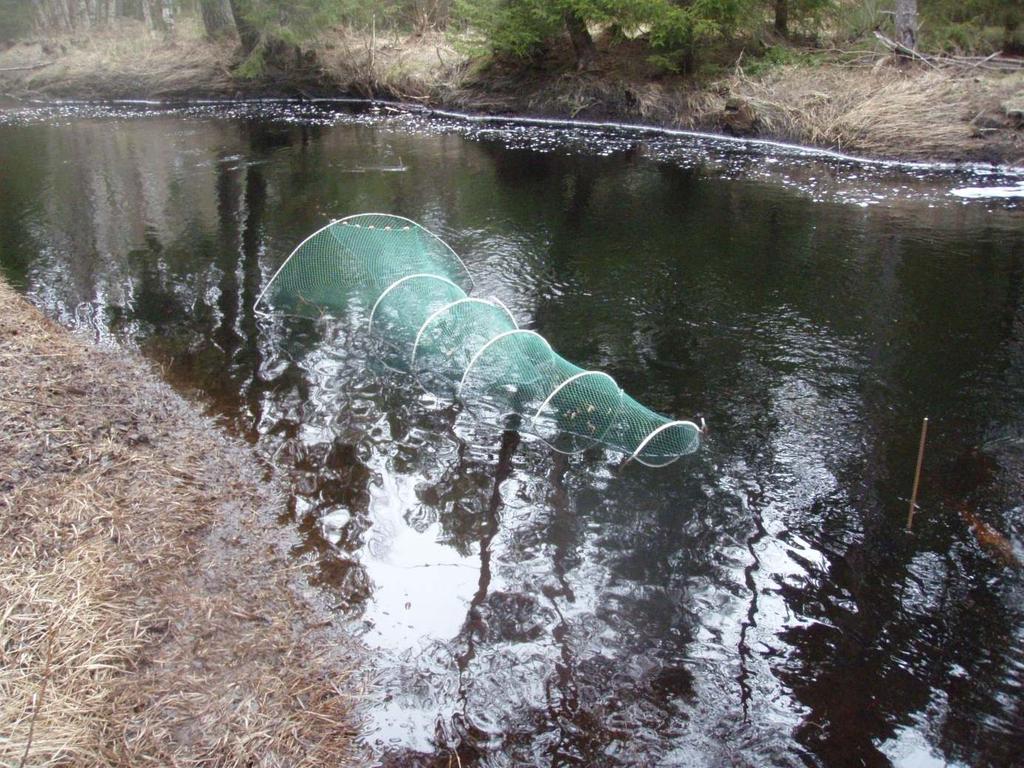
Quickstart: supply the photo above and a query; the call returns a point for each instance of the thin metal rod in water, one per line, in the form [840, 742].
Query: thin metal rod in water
[917, 475]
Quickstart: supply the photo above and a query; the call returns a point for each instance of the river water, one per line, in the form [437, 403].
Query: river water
[758, 603]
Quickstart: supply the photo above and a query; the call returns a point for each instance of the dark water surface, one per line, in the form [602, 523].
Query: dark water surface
[756, 604]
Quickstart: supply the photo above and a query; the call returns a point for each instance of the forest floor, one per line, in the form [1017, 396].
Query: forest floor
[149, 613]
[872, 105]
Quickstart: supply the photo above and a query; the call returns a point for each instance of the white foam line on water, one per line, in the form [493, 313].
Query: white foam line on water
[801, 150]
[214, 101]
[93, 102]
[982, 193]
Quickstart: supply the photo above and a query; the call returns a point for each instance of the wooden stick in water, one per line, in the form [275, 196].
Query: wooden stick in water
[917, 475]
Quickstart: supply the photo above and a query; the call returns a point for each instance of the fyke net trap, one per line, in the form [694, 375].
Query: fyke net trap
[414, 290]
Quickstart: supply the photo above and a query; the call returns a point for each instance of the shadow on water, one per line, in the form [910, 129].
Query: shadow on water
[757, 604]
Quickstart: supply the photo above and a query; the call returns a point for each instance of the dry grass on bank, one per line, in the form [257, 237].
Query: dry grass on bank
[887, 110]
[146, 616]
[405, 67]
[125, 59]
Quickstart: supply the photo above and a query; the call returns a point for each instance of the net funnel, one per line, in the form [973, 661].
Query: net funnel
[450, 338]
[508, 373]
[579, 412]
[402, 309]
[413, 291]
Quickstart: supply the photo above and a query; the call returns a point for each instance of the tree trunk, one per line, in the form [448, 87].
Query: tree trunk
[155, 15]
[906, 23]
[582, 42]
[1013, 45]
[87, 12]
[46, 19]
[782, 17]
[159, 15]
[247, 33]
[69, 16]
[218, 20]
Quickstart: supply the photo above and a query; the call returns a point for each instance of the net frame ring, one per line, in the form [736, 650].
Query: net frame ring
[551, 396]
[638, 451]
[294, 252]
[398, 282]
[437, 313]
[479, 353]
[407, 224]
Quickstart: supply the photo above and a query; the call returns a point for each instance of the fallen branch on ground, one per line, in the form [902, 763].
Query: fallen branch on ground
[26, 67]
[995, 62]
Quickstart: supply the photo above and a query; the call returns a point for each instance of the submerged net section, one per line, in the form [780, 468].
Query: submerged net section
[413, 291]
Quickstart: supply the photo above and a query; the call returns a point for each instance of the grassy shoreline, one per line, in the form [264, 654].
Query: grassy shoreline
[875, 108]
[149, 612]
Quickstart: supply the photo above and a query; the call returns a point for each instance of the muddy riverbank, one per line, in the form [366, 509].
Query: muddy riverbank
[875, 107]
[150, 612]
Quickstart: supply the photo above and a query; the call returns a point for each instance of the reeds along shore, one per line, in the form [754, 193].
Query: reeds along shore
[146, 616]
[873, 103]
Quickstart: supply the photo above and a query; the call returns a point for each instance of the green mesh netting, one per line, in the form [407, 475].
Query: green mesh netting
[412, 289]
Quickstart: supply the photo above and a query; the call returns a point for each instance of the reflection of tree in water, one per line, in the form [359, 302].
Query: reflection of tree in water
[582, 704]
[462, 489]
[476, 624]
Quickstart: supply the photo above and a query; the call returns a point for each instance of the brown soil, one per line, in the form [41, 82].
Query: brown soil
[148, 612]
[873, 107]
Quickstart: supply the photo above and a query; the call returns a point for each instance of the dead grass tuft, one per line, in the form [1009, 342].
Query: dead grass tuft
[412, 68]
[910, 112]
[124, 59]
[145, 614]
